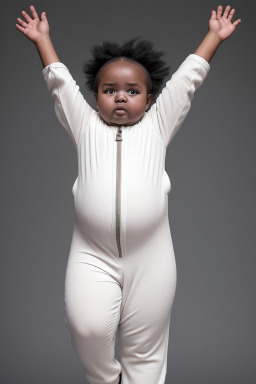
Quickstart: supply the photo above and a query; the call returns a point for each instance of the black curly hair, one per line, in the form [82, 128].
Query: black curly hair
[143, 53]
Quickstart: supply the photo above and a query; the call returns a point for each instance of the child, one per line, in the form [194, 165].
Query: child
[121, 270]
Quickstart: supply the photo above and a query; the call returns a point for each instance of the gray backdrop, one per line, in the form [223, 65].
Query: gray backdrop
[211, 165]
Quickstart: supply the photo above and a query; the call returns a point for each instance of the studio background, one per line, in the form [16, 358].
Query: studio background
[211, 165]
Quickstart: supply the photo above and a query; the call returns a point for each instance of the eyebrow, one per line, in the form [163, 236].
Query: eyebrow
[130, 84]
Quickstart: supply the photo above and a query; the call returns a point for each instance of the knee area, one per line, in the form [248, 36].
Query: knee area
[95, 330]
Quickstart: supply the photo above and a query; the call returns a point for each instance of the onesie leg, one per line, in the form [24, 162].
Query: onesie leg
[92, 303]
[148, 295]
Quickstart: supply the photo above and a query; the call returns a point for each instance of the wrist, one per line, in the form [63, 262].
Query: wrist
[42, 39]
[213, 35]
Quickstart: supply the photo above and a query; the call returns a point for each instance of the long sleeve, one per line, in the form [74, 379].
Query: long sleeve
[71, 108]
[174, 102]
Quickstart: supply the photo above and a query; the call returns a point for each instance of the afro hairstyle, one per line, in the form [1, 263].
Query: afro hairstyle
[143, 53]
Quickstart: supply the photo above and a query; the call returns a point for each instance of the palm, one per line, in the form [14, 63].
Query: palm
[222, 27]
[33, 28]
[221, 24]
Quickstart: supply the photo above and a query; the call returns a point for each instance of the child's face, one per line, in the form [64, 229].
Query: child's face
[115, 92]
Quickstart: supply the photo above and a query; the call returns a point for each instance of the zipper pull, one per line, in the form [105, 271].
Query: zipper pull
[119, 135]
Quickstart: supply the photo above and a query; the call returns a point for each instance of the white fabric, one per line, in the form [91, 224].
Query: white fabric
[136, 291]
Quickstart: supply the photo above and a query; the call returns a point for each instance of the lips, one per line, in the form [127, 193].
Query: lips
[120, 112]
[120, 109]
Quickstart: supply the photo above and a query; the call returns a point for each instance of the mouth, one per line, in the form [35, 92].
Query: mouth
[120, 111]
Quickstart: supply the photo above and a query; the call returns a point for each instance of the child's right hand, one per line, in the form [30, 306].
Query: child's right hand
[34, 29]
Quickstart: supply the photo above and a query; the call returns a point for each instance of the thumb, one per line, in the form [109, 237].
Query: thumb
[43, 16]
[213, 15]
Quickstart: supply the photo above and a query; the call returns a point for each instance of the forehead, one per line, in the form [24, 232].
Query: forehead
[121, 69]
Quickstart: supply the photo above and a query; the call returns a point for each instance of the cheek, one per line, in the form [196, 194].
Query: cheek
[103, 103]
[139, 105]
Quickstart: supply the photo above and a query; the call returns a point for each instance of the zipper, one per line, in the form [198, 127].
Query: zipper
[119, 140]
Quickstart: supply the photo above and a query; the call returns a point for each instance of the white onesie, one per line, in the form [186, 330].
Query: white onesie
[121, 270]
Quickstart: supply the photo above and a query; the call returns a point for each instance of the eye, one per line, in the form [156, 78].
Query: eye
[109, 89]
[134, 90]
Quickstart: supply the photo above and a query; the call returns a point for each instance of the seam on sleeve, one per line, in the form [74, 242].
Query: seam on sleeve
[58, 96]
[174, 125]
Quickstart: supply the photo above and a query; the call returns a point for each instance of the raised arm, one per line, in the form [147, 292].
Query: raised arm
[220, 28]
[71, 109]
[174, 102]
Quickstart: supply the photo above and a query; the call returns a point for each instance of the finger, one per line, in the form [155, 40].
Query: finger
[43, 16]
[213, 17]
[219, 11]
[225, 14]
[22, 22]
[20, 28]
[33, 11]
[237, 22]
[27, 17]
[231, 14]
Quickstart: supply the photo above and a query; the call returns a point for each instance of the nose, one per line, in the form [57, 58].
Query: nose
[120, 96]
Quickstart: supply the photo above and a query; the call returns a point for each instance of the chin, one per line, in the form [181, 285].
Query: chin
[120, 121]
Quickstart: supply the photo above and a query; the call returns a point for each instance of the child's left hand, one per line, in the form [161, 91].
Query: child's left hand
[221, 25]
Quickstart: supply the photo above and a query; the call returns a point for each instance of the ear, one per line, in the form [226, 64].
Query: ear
[149, 100]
